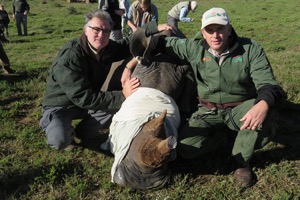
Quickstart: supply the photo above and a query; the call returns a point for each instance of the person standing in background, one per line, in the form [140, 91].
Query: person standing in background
[124, 4]
[20, 11]
[113, 8]
[4, 20]
[178, 13]
[140, 13]
[4, 61]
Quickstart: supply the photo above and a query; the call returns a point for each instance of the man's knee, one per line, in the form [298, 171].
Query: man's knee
[59, 137]
[57, 144]
[59, 140]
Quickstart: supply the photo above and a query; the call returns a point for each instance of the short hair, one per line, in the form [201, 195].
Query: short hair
[145, 2]
[100, 14]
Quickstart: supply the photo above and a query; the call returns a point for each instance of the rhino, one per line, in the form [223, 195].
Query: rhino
[143, 133]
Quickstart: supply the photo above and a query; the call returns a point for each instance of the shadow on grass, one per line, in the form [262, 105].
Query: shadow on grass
[20, 40]
[10, 100]
[93, 144]
[18, 77]
[221, 163]
[16, 183]
[264, 158]
[289, 125]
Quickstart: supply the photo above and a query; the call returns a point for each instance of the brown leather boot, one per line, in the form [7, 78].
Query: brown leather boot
[243, 177]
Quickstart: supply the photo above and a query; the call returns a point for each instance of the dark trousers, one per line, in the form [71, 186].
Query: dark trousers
[174, 23]
[21, 19]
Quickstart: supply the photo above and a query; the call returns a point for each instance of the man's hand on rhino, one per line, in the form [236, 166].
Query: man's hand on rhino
[130, 86]
[133, 28]
[128, 70]
[125, 76]
[164, 27]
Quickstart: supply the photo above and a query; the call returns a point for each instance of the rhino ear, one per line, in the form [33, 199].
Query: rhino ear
[119, 176]
[167, 145]
[158, 152]
[154, 126]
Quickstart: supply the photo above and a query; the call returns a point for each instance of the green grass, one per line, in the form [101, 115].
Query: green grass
[31, 170]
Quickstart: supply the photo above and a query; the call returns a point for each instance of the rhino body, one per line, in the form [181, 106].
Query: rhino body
[144, 163]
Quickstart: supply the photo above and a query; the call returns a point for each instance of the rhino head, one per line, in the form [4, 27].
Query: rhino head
[145, 165]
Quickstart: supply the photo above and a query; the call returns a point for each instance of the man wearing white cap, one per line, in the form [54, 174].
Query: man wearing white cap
[179, 13]
[236, 89]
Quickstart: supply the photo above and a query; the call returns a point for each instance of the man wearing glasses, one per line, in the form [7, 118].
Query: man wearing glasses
[75, 79]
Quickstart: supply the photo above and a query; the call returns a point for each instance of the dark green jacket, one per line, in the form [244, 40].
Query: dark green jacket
[77, 75]
[239, 75]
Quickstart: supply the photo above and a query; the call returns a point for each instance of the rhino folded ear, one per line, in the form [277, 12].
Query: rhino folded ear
[158, 152]
[119, 176]
[139, 42]
[142, 47]
[165, 146]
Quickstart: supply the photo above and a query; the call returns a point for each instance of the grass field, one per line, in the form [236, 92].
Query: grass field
[29, 169]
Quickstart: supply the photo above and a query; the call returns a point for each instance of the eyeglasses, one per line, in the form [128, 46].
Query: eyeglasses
[97, 30]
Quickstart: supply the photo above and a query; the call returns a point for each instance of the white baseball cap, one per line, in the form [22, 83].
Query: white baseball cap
[194, 5]
[215, 16]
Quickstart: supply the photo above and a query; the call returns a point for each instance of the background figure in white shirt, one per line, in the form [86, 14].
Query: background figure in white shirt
[179, 12]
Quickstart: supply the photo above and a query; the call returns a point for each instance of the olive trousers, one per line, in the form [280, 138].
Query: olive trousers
[204, 132]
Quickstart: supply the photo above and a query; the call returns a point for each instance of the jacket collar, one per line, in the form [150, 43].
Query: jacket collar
[84, 45]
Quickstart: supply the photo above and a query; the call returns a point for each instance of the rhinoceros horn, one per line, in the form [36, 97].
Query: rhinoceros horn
[154, 151]
[154, 127]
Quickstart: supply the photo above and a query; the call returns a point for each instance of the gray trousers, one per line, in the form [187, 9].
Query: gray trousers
[174, 23]
[58, 124]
